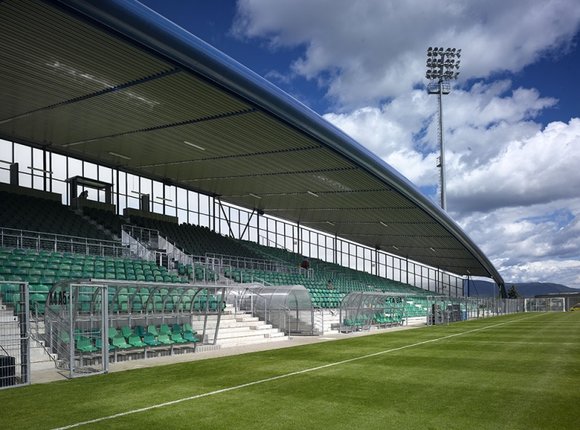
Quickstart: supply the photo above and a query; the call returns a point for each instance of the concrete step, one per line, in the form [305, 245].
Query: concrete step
[201, 318]
[232, 330]
[246, 318]
[8, 318]
[274, 334]
[261, 326]
[237, 328]
[226, 337]
[42, 364]
[211, 325]
[39, 357]
[232, 333]
[237, 342]
[38, 354]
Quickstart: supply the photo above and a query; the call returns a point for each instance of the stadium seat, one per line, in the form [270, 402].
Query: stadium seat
[152, 330]
[149, 340]
[84, 344]
[140, 331]
[164, 339]
[119, 342]
[190, 336]
[164, 329]
[99, 344]
[135, 341]
[187, 328]
[64, 337]
[178, 338]
[126, 331]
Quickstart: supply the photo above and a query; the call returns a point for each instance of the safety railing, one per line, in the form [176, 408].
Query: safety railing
[42, 241]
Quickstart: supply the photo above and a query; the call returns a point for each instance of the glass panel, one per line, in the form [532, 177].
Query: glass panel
[204, 210]
[75, 167]
[193, 207]
[122, 190]
[182, 200]
[169, 200]
[58, 166]
[22, 157]
[6, 151]
[204, 220]
[90, 170]
[105, 174]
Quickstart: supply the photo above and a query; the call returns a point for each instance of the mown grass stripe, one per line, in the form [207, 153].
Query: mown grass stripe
[286, 375]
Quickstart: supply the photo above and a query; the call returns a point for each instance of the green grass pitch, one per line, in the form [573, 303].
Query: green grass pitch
[514, 372]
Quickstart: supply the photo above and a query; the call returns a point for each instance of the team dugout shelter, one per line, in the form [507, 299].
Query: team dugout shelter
[153, 110]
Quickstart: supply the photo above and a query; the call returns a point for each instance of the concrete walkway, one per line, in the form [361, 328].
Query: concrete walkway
[51, 375]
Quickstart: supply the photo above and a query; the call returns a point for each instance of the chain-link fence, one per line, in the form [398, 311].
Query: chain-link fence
[545, 304]
[78, 338]
[444, 310]
[14, 334]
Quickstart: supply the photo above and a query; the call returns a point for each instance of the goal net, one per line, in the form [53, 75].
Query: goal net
[545, 304]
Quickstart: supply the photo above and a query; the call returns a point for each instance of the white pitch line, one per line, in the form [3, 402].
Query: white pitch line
[274, 378]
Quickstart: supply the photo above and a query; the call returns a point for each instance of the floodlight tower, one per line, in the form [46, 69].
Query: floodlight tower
[442, 67]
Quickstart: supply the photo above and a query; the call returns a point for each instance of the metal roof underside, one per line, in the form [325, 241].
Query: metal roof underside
[88, 80]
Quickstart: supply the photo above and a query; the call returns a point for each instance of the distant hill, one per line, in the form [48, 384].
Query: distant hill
[525, 289]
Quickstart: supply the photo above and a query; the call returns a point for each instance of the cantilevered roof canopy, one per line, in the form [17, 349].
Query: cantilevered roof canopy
[113, 82]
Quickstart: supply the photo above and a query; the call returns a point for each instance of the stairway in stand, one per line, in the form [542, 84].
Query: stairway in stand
[238, 329]
[10, 341]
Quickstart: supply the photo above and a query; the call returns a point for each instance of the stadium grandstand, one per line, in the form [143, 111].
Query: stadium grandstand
[159, 198]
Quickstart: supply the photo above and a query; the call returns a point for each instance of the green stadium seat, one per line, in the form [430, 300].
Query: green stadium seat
[84, 344]
[153, 330]
[149, 340]
[190, 336]
[119, 342]
[187, 327]
[178, 338]
[63, 336]
[136, 304]
[113, 332]
[135, 341]
[164, 339]
[140, 331]
[126, 331]
[99, 344]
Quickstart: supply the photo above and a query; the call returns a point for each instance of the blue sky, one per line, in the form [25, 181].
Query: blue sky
[512, 121]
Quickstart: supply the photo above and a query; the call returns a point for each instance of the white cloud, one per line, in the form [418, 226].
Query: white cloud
[389, 132]
[532, 243]
[478, 125]
[531, 170]
[511, 181]
[365, 51]
[512, 185]
[566, 272]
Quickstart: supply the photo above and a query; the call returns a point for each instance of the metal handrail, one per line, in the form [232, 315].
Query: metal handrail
[37, 240]
[249, 263]
[41, 342]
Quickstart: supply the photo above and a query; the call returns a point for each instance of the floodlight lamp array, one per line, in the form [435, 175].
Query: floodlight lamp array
[443, 64]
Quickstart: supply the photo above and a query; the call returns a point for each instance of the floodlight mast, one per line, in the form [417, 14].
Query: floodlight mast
[442, 67]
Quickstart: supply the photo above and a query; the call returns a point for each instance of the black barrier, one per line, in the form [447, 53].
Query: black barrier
[7, 371]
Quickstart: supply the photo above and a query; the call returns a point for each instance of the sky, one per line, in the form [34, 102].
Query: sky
[511, 121]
